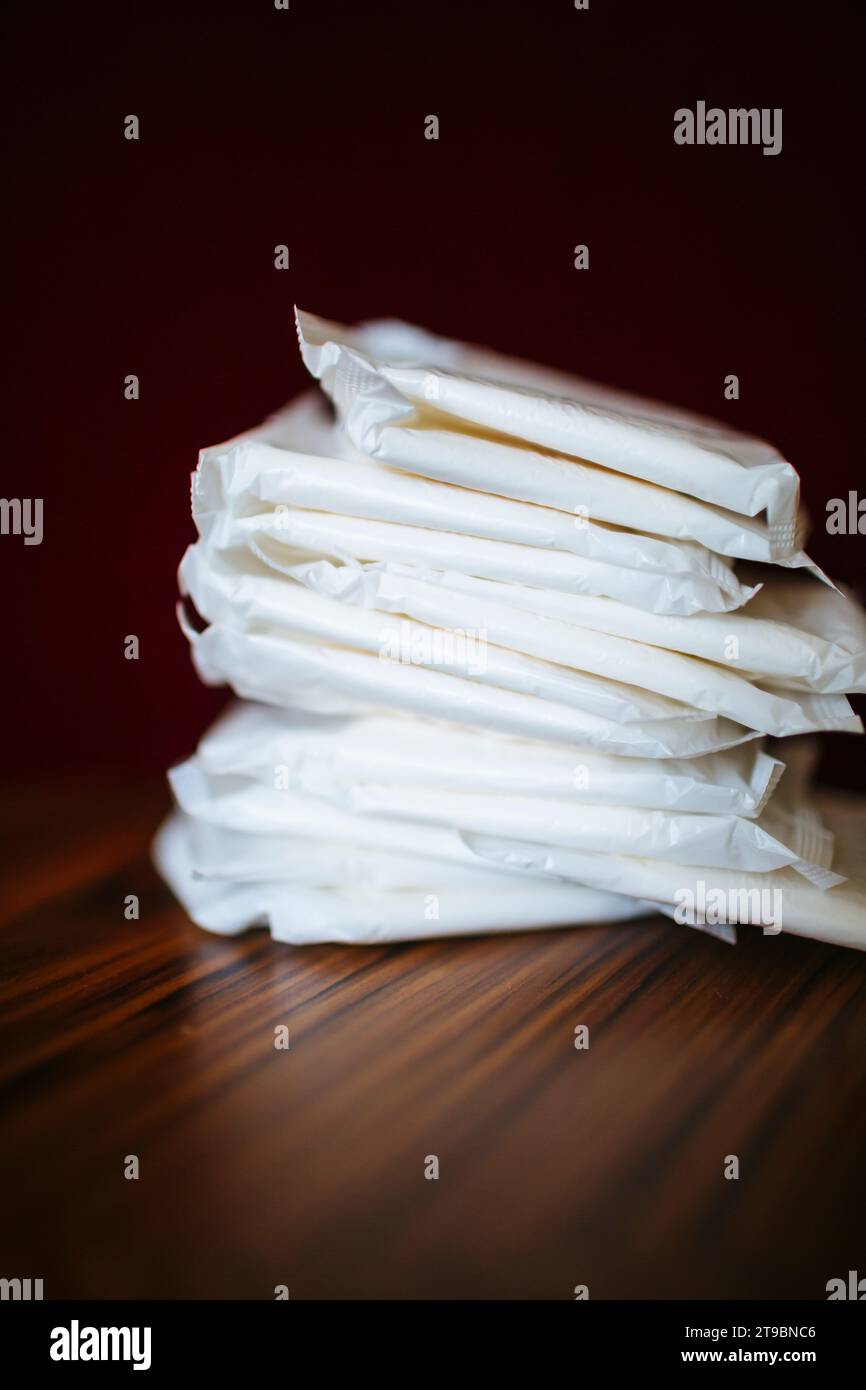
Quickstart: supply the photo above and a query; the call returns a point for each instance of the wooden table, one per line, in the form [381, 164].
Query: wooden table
[305, 1167]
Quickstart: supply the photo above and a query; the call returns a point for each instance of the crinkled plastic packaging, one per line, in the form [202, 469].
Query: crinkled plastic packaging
[303, 465]
[703, 685]
[783, 900]
[498, 667]
[616, 455]
[371, 916]
[494, 644]
[328, 756]
[795, 634]
[326, 679]
[418, 819]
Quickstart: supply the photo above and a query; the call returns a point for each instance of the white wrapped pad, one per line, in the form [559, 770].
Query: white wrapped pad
[702, 685]
[303, 916]
[608, 452]
[838, 915]
[421, 820]
[795, 634]
[310, 467]
[327, 756]
[333, 680]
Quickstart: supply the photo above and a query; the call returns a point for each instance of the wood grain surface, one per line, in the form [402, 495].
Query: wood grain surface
[305, 1167]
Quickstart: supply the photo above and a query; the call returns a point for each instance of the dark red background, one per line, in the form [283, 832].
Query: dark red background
[306, 127]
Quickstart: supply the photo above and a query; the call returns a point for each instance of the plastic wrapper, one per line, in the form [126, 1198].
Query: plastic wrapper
[421, 820]
[357, 538]
[228, 593]
[683, 477]
[325, 679]
[692, 682]
[504, 673]
[302, 915]
[309, 467]
[794, 633]
[781, 900]
[325, 756]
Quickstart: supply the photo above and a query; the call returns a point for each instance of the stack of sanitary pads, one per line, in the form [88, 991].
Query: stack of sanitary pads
[513, 651]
